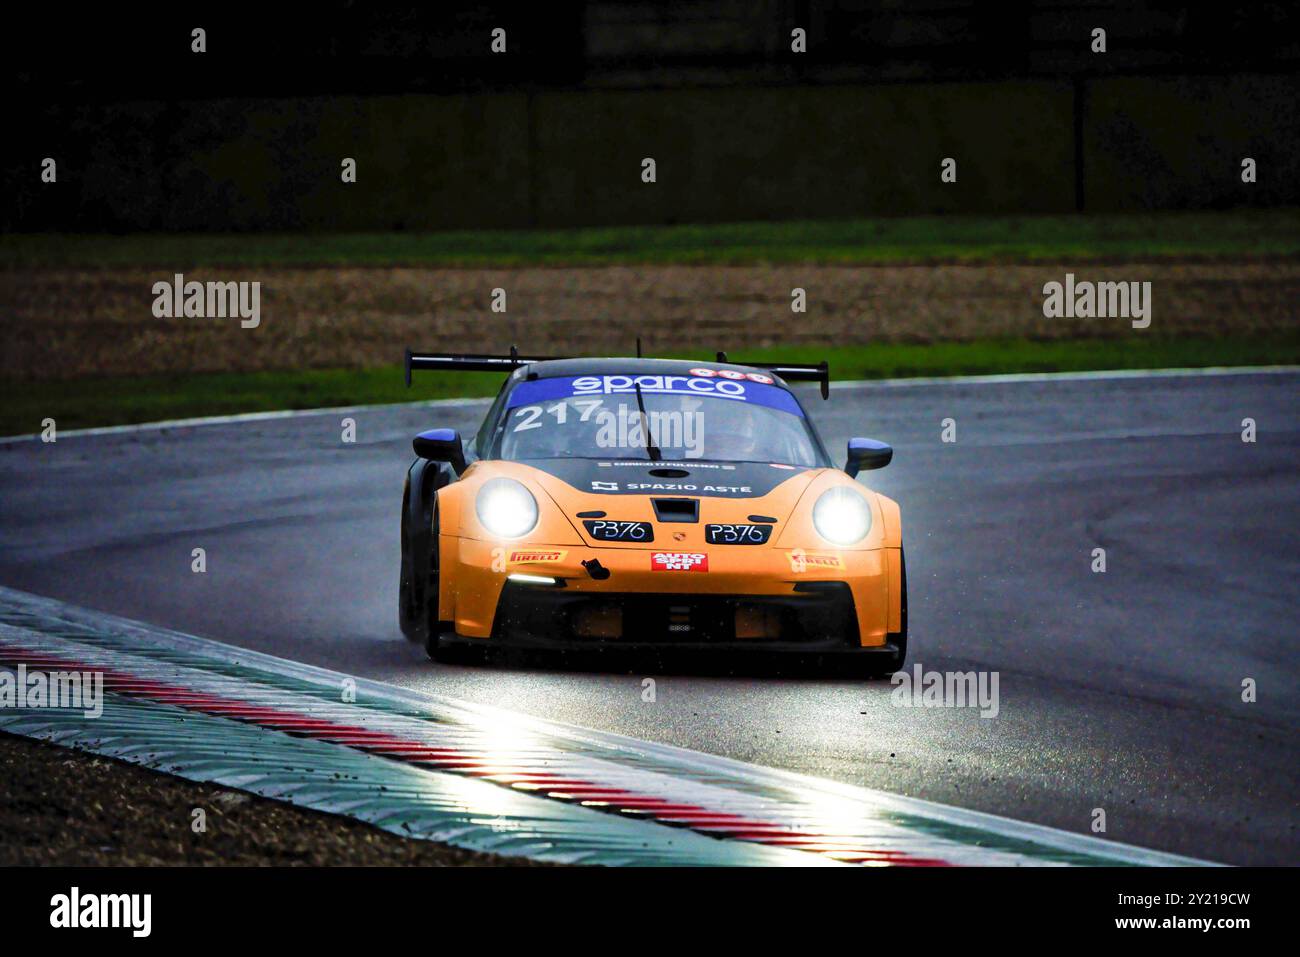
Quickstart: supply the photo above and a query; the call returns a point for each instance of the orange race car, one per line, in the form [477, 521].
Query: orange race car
[648, 502]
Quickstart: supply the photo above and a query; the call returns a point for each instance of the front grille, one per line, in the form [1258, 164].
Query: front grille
[542, 615]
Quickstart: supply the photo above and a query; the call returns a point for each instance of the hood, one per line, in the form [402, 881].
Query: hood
[728, 492]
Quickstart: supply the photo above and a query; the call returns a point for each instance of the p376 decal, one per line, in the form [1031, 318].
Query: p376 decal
[610, 531]
[721, 534]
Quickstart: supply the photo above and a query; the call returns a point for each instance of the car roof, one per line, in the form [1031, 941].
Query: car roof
[554, 368]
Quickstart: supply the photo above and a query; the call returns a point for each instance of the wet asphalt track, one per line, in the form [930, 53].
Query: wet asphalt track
[1119, 691]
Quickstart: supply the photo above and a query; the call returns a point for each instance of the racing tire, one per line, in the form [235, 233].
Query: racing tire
[895, 662]
[453, 653]
[417, 593]
[433, 580]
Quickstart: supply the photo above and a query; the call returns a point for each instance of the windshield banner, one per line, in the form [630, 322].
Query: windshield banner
[753, 388]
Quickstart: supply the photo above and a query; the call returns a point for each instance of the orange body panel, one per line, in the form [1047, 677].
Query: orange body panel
[475, 564]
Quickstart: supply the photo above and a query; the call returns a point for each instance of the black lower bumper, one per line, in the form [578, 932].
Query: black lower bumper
[814, 618]
[886, 655]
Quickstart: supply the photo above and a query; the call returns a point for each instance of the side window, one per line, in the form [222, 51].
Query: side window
[487, 431]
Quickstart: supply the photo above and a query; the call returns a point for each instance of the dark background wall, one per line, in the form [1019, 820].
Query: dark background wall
[250, 135]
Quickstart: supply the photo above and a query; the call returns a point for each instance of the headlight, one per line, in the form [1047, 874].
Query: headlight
[842, 516]
[506, 508]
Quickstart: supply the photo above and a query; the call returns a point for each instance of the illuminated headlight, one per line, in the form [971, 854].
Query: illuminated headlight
[842, 516]
[506, 508]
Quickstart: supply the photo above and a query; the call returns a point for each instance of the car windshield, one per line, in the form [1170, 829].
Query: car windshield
[672, 418]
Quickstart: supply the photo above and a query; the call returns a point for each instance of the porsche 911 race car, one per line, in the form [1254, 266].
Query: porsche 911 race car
[633, 503]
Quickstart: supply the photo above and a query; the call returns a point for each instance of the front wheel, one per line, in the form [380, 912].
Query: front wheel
[432, 625]
[899, 638]
[417, 594]
[408, 605]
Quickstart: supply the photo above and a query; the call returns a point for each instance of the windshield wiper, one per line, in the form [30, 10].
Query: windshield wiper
[651, 449]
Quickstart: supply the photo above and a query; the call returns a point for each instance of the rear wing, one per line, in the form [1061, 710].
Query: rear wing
[472, 362]
[467, 362]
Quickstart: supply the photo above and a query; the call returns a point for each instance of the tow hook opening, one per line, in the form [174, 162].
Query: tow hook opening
[595, 569]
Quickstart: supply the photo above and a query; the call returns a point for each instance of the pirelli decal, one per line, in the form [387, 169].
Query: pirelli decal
[801, 561]
[534, 557]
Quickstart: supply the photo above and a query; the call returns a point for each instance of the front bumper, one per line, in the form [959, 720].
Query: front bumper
[750, 597]
[816, 616]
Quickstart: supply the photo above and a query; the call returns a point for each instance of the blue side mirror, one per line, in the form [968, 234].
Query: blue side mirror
[867, 454]
[441, 445]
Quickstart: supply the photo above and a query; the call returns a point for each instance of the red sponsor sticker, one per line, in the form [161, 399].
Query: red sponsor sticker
[732, 374]
[679, 562]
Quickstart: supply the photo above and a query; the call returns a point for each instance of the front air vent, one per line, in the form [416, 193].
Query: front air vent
[676, 509]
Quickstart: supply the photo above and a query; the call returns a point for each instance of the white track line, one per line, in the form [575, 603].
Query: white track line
[1099, 375]
[249, 417]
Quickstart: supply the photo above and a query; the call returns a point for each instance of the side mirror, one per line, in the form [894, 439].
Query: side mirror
[867, 454]
[441, 445]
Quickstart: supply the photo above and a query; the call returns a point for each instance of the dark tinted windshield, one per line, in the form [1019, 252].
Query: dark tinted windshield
[729, 419]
